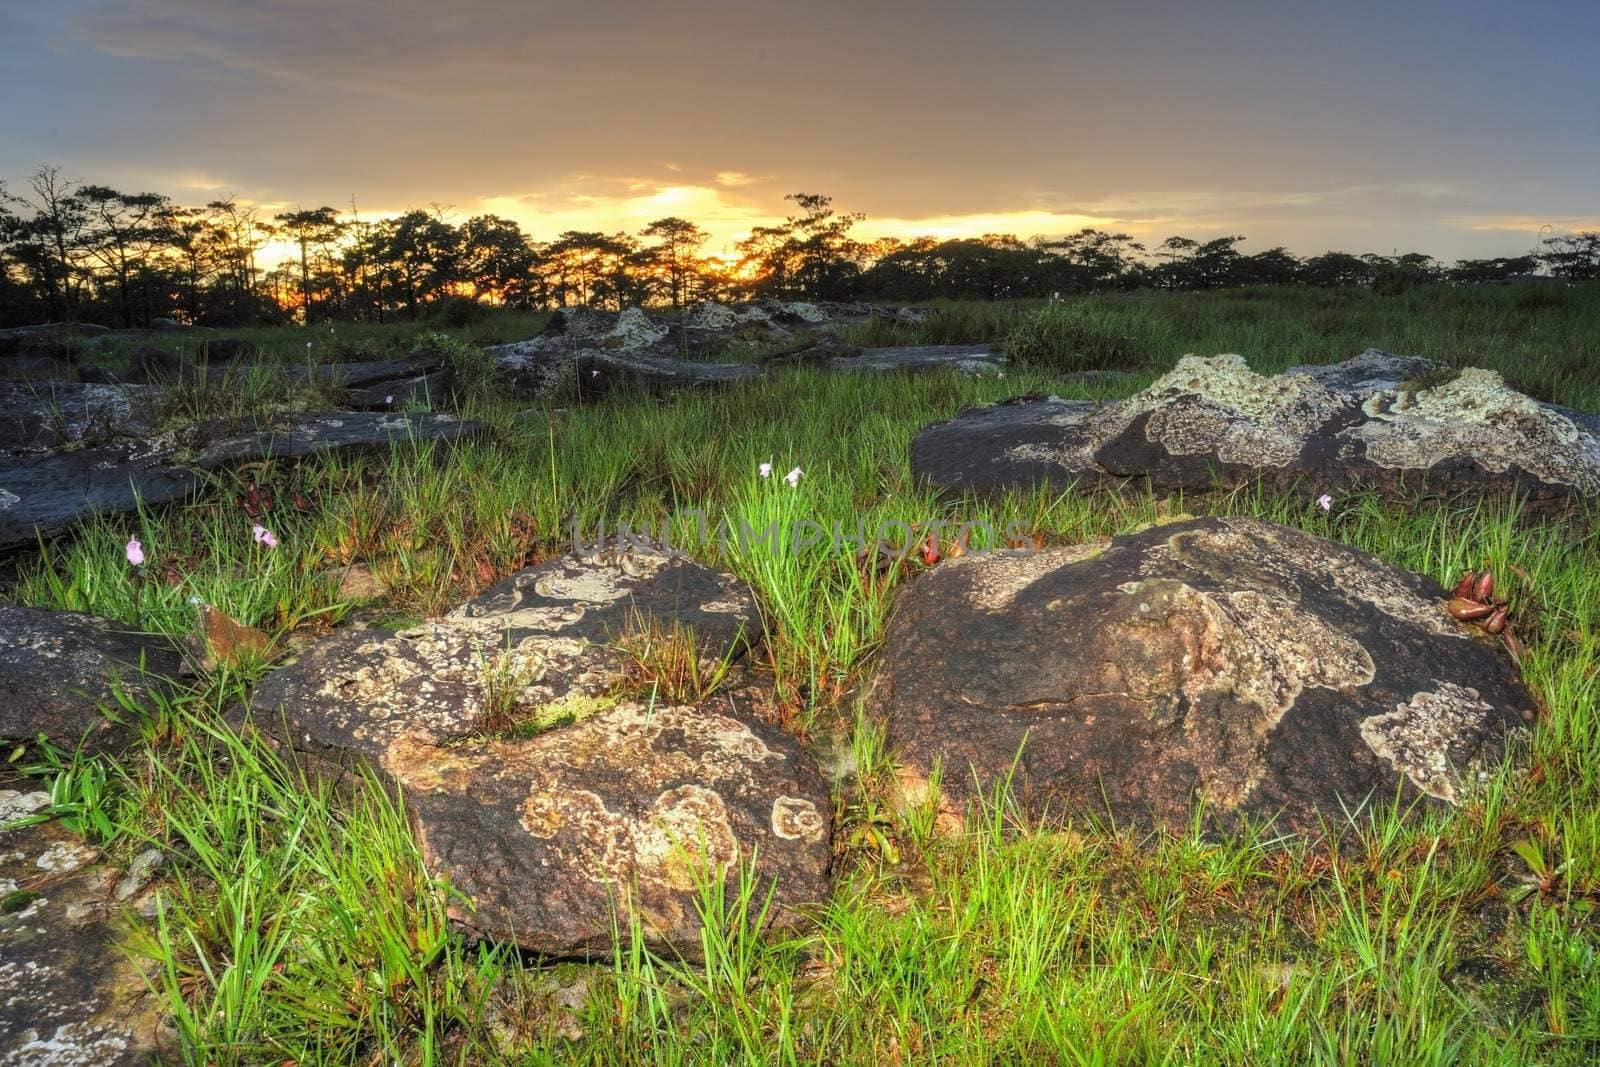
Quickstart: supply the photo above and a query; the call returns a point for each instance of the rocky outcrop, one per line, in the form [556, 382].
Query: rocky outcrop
[663, 351]
[61, 671]
[546, 790]
[72, 991]
[1255, 669]
[1213, 423]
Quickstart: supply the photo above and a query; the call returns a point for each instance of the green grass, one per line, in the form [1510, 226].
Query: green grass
[301, 926]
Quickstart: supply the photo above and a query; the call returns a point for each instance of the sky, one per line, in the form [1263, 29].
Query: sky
[1459, 129]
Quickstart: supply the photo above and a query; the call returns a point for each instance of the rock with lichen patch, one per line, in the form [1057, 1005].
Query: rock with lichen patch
[1256, 669]
[625, 812]
[1213, 423]
[546, 788]
[72, 991]
[61, 673]
[38, 416]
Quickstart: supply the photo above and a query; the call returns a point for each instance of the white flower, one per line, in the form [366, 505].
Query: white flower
[308, 346]
[765, 470]
[388, 400]
[1325, 502]
[793, 477]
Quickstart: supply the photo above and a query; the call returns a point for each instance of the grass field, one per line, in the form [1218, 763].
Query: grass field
[300, 928]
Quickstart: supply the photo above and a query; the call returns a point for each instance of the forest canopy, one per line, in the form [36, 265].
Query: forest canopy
[73, 251]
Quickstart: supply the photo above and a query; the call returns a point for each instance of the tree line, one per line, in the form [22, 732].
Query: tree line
[76, 251]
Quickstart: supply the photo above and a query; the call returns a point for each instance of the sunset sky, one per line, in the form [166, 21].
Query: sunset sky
[1458, 129]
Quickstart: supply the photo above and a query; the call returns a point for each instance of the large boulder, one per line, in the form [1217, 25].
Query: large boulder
[61, 672]
[72, 987]
[545, 791]
[1214, 423]
[1258, 670]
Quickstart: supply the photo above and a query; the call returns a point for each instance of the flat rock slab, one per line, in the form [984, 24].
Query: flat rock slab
[72, 992]
[336, 432]
[42, 496]
[1212, 423]
[59, 669]
[977, 360]
[532, 784]
[40, 416]
[1259, 670]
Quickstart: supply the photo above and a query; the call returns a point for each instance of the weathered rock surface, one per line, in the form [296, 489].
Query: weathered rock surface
[1213, 423]
[43, 496]
[59, 669]
[1259, 670]
[543, 794]
[72, 993]
[38, 416]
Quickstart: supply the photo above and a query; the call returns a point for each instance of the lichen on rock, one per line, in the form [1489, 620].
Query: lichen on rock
[548, 799]
[1377, 420]
[1252, 668]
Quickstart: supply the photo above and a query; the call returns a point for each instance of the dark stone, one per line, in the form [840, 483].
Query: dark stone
[1260, 670]
[60, 672]
[74, 990]
[546, 796]
[46, 495]
[1212, 423]
[1009, 445]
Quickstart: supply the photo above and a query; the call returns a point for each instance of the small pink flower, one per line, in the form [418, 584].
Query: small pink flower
[264, 536]
[388, 400]
[765, 470]
[135, 551]
[793, 477]
[1325, 502]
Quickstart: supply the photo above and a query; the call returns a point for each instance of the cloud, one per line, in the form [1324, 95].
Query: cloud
[1526, 223]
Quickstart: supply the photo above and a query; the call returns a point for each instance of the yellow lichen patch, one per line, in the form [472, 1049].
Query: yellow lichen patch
[1417, 736]
[420, 765]
[687, 835]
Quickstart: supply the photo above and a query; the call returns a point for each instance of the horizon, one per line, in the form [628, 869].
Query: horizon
[1363, 132]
